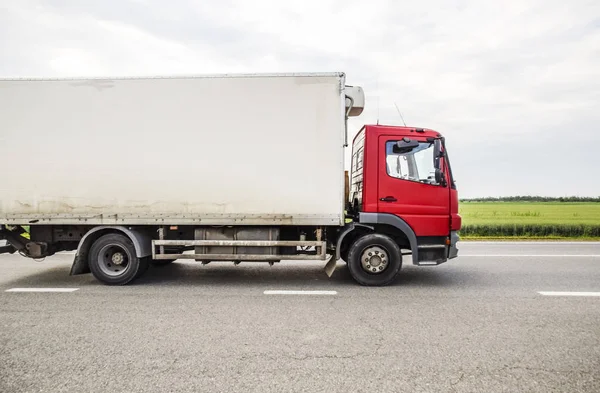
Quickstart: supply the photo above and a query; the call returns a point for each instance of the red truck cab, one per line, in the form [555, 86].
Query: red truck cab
[401, 185]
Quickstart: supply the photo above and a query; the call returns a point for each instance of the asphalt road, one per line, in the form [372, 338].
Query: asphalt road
[474, 324]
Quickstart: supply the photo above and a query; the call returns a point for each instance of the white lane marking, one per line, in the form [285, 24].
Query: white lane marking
[300, 292]
[589, 294]
[41, 290]
[541, 243]
[532, 255]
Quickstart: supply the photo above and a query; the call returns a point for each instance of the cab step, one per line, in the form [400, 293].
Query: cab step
[431, 254]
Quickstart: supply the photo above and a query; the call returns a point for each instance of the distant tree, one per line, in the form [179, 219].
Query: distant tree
[530, 198]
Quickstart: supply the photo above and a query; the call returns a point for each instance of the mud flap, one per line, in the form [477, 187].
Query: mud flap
[330, 266]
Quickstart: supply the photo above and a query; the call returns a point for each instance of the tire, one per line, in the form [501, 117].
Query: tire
[162, 262]
[374, 260]
[113, 260]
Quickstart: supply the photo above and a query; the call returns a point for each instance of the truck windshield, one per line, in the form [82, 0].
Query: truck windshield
[414, 165]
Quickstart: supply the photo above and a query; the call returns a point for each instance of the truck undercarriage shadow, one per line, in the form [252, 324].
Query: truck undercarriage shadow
[190, 273]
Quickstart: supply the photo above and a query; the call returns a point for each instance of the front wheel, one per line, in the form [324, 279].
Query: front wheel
[113, 260]
[374, 260]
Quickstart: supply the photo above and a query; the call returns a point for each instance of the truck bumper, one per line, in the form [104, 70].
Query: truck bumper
[453, 249]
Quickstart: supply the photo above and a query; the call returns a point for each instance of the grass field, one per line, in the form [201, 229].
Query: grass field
[478, 213]
[530, 219]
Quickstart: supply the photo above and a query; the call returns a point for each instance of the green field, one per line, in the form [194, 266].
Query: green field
[530, 219]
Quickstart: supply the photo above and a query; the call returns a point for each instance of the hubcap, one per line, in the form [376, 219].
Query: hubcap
[374, 260]
[113, 260]
[117, 258]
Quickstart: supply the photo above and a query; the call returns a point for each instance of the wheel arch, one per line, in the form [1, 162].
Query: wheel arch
[397, 225]
[142, 242]
[349, 234]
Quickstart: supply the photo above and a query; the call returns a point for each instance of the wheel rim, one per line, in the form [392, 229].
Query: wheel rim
[374, 259]
[114, 260]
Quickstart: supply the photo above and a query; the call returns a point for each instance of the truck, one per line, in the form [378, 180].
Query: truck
[130, 172]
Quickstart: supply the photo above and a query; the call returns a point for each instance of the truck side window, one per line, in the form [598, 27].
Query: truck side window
[415, 165]
[356, 174]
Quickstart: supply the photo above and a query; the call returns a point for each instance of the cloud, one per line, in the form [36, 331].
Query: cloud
[509, 83]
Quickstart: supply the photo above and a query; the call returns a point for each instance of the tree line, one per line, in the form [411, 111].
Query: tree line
[531, 230]
[530, 198]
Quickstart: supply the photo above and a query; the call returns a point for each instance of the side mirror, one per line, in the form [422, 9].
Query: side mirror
[437, 153]
[440, 178]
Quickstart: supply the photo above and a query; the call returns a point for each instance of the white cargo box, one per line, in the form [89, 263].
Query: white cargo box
[214, 150]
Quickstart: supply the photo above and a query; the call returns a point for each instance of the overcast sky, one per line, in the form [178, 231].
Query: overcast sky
[513, 85]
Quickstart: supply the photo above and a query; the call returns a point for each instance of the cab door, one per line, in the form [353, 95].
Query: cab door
[407, 185]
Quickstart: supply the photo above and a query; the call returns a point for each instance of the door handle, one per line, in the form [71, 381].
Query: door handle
[388, 199]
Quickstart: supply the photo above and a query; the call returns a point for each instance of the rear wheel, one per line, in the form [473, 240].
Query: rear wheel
[374, 260]
[113, 260]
